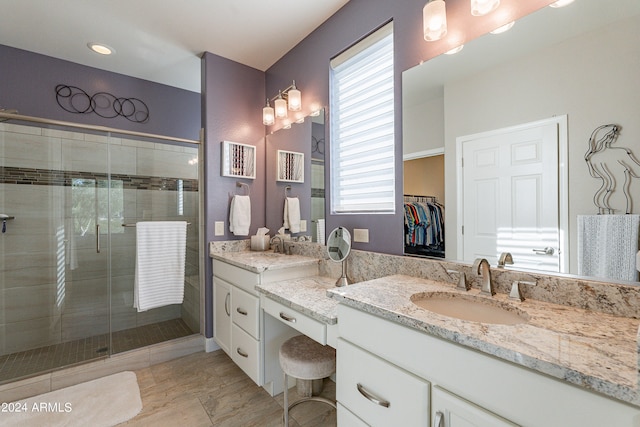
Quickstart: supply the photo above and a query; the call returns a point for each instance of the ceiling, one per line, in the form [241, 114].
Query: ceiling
[161, 40]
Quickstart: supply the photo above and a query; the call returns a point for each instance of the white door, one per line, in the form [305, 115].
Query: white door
[510, 203]
[222, 314]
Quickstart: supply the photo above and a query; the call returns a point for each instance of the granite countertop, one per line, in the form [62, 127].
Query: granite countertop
[258, 262]
[590, 349]
[306, 295]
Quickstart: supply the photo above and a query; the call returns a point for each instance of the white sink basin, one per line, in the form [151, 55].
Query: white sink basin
[470, 308]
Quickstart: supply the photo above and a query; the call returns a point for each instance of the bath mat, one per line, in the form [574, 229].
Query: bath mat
[103, 402]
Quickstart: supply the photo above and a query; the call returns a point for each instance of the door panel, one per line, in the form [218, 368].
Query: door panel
[510, 195]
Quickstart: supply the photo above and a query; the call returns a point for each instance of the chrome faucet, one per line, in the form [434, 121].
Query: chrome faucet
[279, 246]
[482, 268]
[505, 258]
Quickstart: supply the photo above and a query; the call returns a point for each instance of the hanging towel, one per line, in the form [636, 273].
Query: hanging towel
[607, 246]
[240, 215]
[320, 231]
[160, 256]
[292, 214]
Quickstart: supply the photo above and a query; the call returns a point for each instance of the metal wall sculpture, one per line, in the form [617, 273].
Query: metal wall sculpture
[612, 164]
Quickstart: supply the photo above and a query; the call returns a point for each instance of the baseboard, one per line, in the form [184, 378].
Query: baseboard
[210, 345]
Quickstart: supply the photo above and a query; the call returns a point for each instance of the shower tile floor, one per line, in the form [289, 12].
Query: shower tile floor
[40, 360]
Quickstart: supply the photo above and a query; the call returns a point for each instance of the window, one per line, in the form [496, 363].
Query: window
[362, 126]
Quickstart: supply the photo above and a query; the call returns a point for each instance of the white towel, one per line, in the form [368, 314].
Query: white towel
[320, 231]
[160, 256]
[607, 246]
[240, 215]
[292, 214]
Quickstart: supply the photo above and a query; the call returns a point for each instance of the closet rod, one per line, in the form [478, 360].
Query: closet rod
[134, 224]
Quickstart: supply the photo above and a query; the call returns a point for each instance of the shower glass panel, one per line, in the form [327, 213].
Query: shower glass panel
[67, 263]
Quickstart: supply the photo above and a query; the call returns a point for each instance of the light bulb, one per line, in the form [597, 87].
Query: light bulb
[434, 20]
[267, 115]
[483, 7]
[295, 98]
[281, 107]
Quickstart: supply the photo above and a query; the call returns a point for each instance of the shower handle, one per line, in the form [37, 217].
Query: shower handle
[97, 238]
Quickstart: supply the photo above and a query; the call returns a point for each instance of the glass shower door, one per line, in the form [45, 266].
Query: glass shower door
[54, 256]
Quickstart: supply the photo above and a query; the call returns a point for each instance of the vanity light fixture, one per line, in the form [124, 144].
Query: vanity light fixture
[101, 48]
[268, 115]
[281, 107]
[483, 7]
[454, 50]
[289, 99]
[561, 3]
[434, 20]
[504, 28]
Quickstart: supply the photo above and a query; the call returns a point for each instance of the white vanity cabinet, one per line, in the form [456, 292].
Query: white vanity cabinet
[468, 387]
[449, 410]
[238, 327]
[378, 392]
[222, 314]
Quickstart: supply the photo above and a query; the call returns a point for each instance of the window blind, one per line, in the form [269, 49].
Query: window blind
[362, 127]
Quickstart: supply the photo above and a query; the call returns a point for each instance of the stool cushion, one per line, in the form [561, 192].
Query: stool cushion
[303, 358]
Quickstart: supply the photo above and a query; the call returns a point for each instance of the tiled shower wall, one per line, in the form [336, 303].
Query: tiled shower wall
[54, 285]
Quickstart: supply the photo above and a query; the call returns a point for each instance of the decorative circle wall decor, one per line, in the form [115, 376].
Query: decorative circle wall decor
[77, 101]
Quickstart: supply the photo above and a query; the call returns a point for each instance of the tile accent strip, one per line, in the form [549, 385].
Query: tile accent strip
[31, 176]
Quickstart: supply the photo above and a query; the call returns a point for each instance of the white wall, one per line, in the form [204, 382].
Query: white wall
[594, 79]
[423, 127]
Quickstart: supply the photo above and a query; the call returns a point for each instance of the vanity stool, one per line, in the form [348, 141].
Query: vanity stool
[305, 359]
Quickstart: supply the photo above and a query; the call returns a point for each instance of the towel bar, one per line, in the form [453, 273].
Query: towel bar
[242, 184]
[134, 224]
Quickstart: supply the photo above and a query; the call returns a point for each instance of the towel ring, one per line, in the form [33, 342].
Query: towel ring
[242, 184]
[286, 190]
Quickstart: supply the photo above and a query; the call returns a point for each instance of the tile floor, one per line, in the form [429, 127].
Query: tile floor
[44, 359]
[208, 389]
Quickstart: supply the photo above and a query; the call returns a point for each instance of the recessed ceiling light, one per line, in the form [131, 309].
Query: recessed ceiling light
[100, 48]
[561, 3]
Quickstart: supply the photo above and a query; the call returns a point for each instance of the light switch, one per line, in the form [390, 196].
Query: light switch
[219, 228]
[361, 235]
[303, 225]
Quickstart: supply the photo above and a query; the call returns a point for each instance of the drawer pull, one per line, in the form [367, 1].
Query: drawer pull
[438, 420]
[241, 311]
[372, 397]
[287, 318]
[226, 304]
[241, 353]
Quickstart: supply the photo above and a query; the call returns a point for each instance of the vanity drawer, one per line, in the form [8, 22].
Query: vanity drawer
[347, 419]
[240, 277]
[244, 311]
[310, 327]
[378, 392]
[245, 352]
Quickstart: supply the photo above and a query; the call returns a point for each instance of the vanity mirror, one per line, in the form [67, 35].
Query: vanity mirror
[307, 140]
[338, 248]
[580, 62]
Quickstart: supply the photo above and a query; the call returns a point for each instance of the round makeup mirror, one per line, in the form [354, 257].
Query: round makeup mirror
[338, 248]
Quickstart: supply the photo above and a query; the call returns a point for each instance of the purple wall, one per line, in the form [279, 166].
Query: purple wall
[232, 100]
[308, 65]
[28, 82]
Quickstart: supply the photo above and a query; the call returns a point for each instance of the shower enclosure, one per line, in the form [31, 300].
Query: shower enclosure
[70, 197]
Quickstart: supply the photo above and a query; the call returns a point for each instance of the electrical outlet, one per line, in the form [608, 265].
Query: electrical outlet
[361, 235]
[303, 225]
[219, 228]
